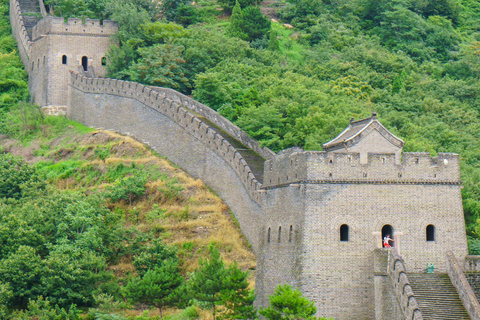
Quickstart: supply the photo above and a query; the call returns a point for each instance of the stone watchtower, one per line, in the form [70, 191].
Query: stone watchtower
[52, 47]
[326, 213]
[60, 46]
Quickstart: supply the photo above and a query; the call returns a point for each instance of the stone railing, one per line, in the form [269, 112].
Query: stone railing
[180, 115]
[20, 32]
[464, 290]
[403, 291]
[216, 119]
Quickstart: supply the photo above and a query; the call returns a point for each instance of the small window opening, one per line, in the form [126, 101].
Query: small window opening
[330, 174]
[364, 174]
[344, 232]
[268, 235]
[430, 232]
[387, 230]
[85, 63]
[290, 234]
[38, 64]
[331, 161]
[33, 65]
[416, 161]
[435, 175]
[383, 160]
[64, 59]
[279, 234]
[399, 174]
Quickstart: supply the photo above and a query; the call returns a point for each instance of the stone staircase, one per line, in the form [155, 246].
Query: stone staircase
[31, 14]
[437, 297]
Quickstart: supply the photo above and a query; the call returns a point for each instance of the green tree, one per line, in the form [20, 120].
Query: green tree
[157, 286]
[129, 188]
[248, 24]
[235, 29]
[22, 270]
[273, 43]
[290, 304]
[161, 65]
[237, 298]
[153, 256]
[179, 11]
[228, 5]
[207, 282]
[17, 178]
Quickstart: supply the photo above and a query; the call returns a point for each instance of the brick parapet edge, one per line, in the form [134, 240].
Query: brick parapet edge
[20, 32]
[180, 115]
[216, 119]
[401, 286]
[464, 289]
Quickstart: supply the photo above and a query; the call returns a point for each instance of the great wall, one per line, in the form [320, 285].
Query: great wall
[315, 219]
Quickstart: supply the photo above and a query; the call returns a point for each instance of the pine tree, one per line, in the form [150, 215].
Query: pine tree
[157, 287]
[289, 304]
[235, 29]
[273, 43]
[206, 283]
[236, 297]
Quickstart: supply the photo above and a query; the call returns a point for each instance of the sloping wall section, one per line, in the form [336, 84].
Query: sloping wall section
[156, 117]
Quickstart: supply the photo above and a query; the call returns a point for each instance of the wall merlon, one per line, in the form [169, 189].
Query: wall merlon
[74, 26]
[325, 167]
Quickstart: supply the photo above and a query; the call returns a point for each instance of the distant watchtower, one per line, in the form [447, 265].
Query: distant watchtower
[52, 47]
[326, 213]
[61, 46]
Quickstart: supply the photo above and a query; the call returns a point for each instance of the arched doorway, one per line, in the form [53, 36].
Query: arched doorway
[388, 229]
[85, 63]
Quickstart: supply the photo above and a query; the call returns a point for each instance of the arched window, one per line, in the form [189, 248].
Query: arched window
[279, 234]
[64, 59]
[388, 230]
[268, 235]
[344, 232]
[290, 234]
[430, 232]
[85, 63]
[33, 65]
[104, 61]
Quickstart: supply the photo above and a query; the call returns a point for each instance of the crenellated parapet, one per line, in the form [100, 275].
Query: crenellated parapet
[298, 166]
[20, 32]
[74, 26]
[216, 119]
[401, 286]
[181, 115]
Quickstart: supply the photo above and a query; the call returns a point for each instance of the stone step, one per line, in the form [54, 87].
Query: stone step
[437, 297]
[31, 14]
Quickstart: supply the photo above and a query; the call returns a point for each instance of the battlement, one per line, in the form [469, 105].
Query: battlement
[74, 26]
[296, 165]
[20, 32]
